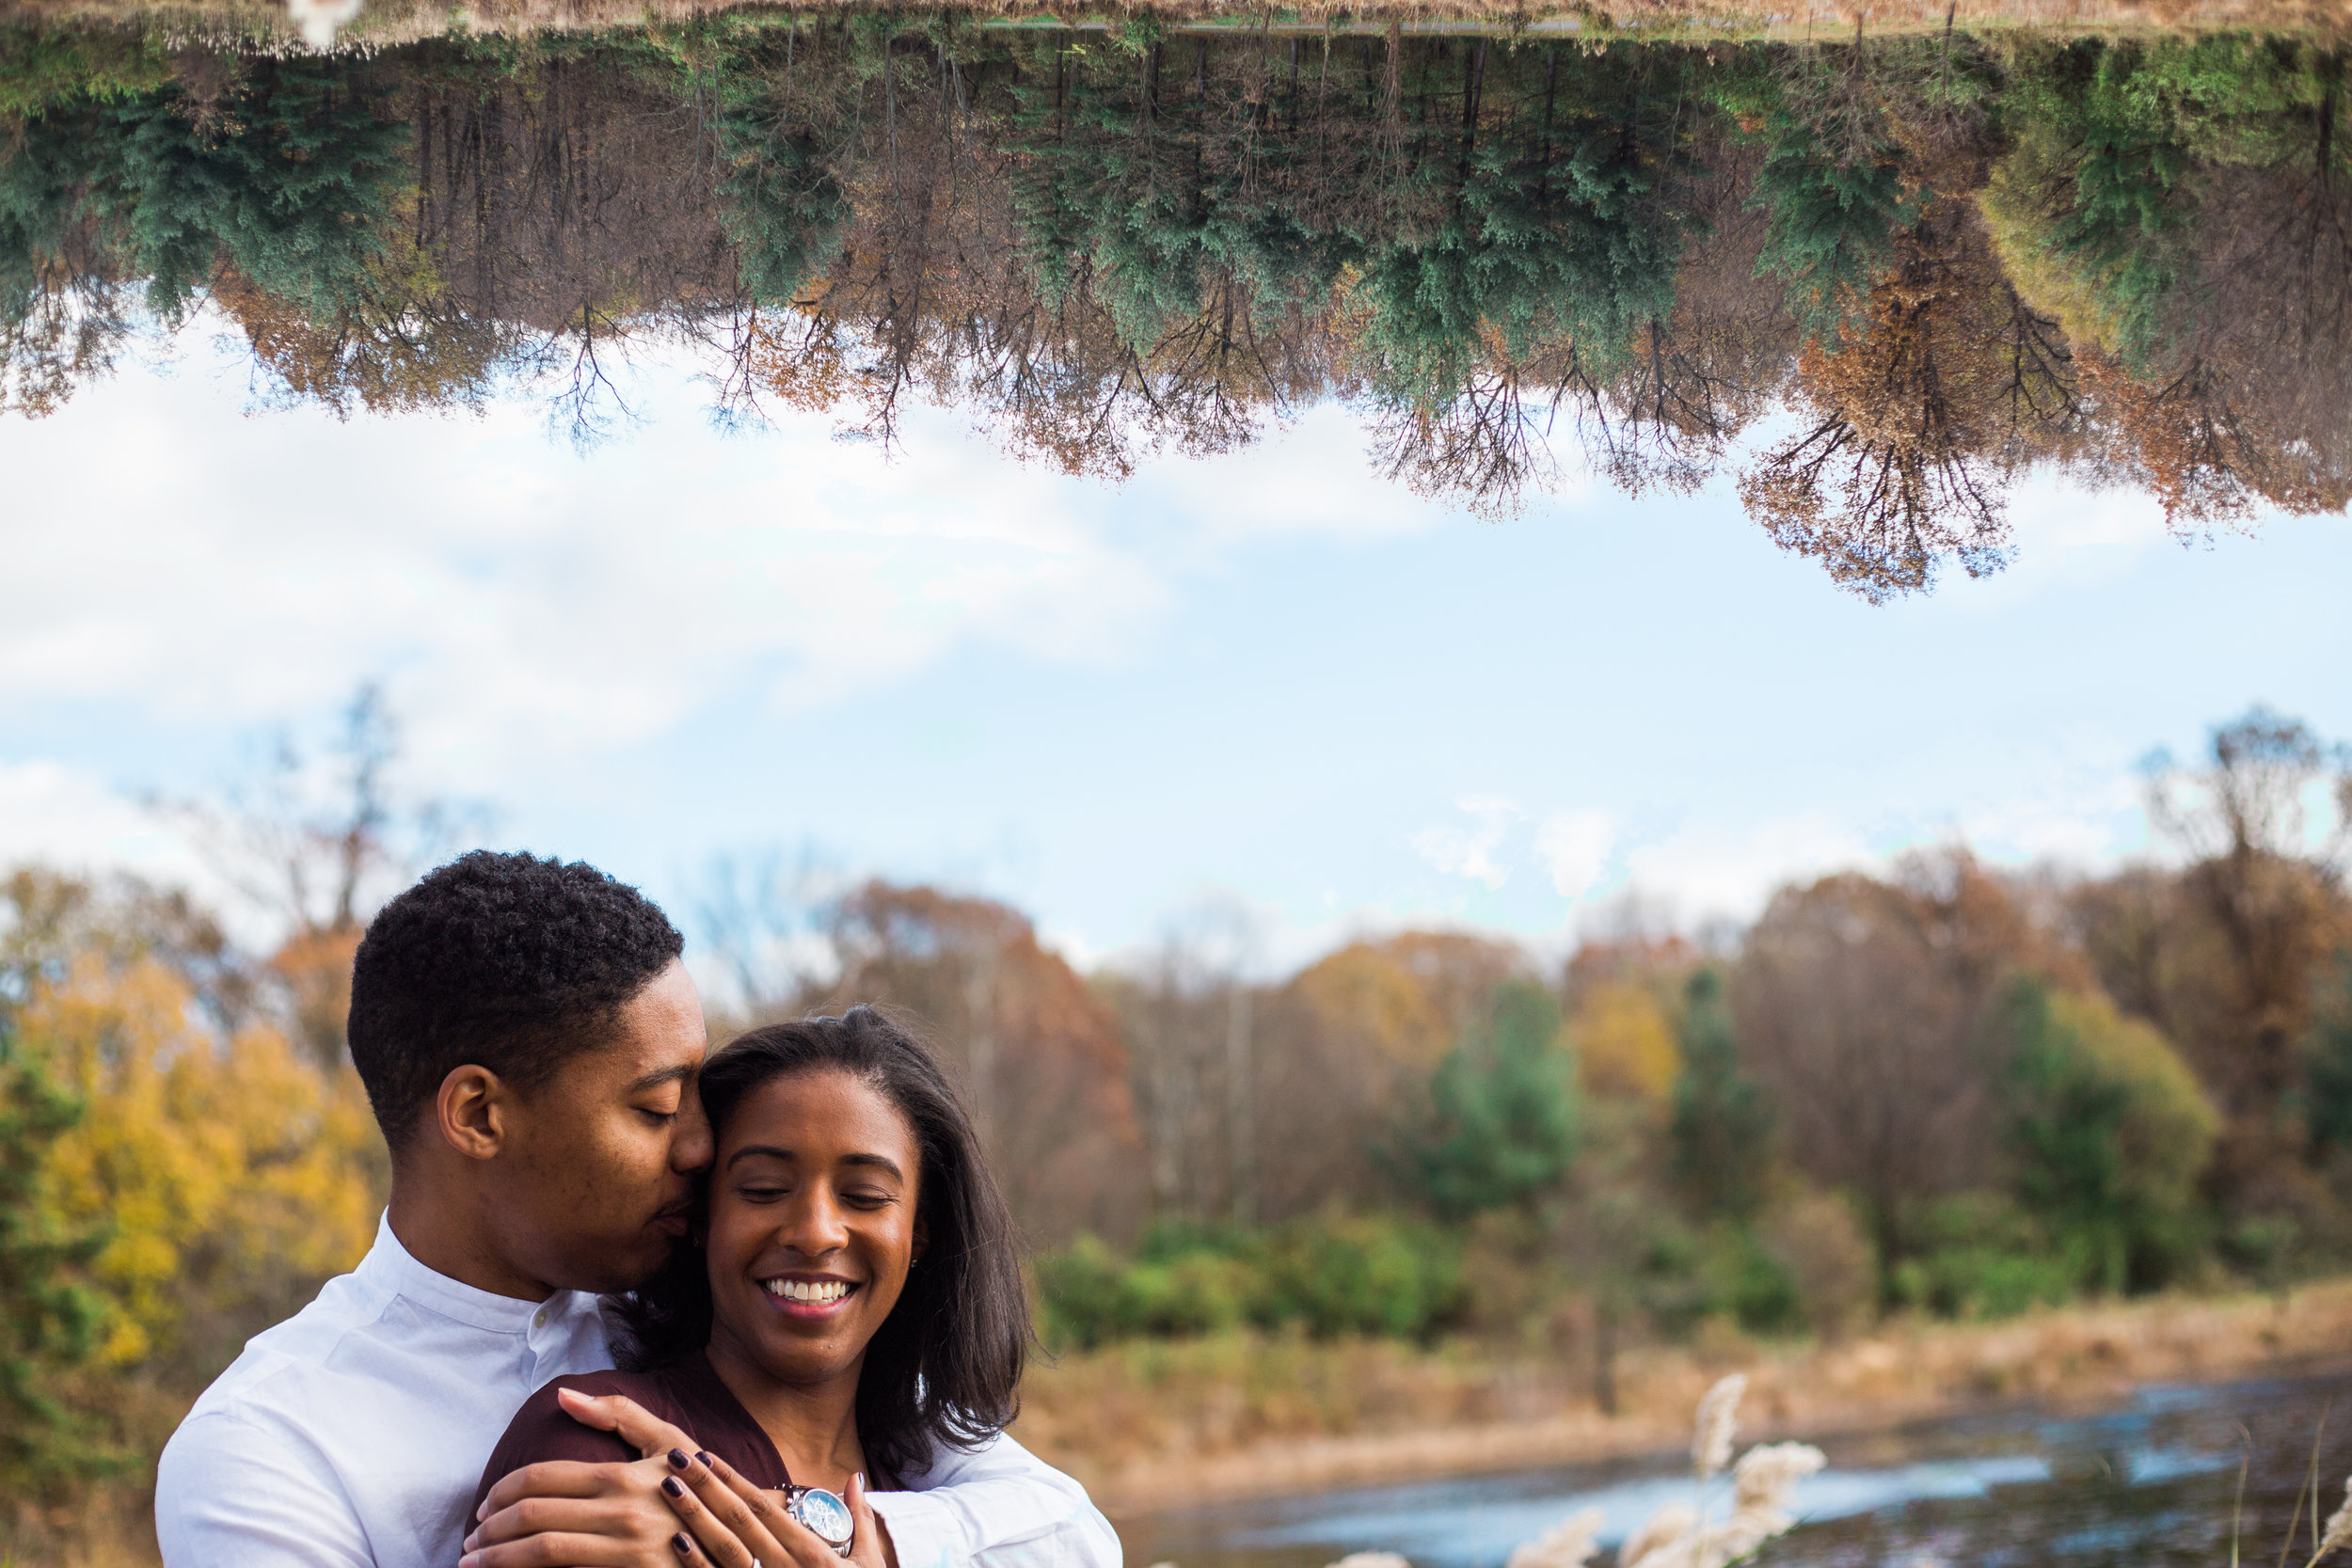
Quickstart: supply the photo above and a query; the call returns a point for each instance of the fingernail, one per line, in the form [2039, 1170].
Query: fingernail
[481, 1512]
[709, 1463]
[472, 1539]
[673, 1486]
[677, 1459]
[679, 1545]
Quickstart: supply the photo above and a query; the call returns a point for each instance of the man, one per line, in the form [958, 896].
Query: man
[529, 1041]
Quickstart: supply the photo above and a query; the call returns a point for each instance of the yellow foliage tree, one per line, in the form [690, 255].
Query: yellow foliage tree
[231, 1176]
[1625, 1043]
[1363, 990]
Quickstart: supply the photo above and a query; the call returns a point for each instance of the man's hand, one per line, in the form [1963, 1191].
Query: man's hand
[564, 1513]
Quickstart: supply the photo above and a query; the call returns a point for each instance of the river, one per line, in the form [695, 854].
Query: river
[2152, 1480]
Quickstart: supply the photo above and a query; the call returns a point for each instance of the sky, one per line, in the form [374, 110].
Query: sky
[1268, 681]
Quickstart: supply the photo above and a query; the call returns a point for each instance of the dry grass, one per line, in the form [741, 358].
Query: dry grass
[1152, 1424]
[110, 1528]
[383, 24]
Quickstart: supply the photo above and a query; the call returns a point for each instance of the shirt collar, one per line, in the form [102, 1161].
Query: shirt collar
[391, 1267]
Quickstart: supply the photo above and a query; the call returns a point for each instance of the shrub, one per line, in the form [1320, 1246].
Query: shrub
[1983, 1260]
[1364, 1275]
[1330, 1276]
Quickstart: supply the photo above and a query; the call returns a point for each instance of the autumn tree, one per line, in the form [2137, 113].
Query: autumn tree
[1343, 1044]
[1191, 1025]
[2226, 956]
[1039, 1056]
[1942, 383]
[195, 1176]
[1860, 1005]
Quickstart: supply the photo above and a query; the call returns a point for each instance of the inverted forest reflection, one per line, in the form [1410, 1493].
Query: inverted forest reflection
[1875, 280]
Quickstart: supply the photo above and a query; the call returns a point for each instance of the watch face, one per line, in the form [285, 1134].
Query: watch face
[826, 1514]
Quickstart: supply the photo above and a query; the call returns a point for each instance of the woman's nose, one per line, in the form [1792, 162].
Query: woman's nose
[816, 1225]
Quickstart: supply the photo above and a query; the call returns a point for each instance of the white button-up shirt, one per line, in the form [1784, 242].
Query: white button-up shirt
[353, 1436]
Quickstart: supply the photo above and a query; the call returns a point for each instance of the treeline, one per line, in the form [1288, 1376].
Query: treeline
[1944, 1089]
[1953, 257]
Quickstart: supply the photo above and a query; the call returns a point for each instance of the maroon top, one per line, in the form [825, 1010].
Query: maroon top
[687, 1395]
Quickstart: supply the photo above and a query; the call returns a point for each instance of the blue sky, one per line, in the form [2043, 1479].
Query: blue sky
[1266, 677]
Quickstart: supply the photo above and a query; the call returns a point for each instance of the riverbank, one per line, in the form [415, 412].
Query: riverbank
[1150, 1426]
[363, 26]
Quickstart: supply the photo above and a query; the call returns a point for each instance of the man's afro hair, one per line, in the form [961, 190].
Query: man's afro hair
[505, 962]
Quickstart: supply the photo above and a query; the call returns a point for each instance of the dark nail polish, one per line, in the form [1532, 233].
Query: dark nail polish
[677, 1459]
[709, 1463]
[673, 1486]
[679, 1545]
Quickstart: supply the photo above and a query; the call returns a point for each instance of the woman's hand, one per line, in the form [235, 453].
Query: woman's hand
[732, 1524]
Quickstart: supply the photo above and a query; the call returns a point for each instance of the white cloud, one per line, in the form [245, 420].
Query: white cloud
[72, 820]
[1574, 845]
[227, 569]
[1709, 869]
[1469, 852]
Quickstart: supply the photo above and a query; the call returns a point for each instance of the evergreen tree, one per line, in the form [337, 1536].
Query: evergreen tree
[1500, 1125]
[299, 193]
[1722, 1128]
[48, 1320]
[2108, 1133]
[2327, 1064]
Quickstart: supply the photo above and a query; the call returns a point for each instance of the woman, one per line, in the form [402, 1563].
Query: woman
[850, 1301]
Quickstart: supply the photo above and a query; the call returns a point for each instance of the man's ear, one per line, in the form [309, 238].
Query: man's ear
[472, 1110]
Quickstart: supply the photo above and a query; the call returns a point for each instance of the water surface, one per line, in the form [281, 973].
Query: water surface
[2152, 1480]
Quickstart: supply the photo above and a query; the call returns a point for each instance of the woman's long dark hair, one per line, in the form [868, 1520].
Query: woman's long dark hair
[945, 1367]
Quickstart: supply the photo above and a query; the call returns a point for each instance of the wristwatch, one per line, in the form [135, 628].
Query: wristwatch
[826, 1515]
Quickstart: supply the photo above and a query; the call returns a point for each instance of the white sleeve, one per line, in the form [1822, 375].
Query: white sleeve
[230, 1492]
[997, 1505]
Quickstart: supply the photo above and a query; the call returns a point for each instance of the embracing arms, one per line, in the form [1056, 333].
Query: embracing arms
[995, 1506]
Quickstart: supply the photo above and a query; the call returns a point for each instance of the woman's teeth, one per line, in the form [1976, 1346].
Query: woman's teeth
[817, 1292]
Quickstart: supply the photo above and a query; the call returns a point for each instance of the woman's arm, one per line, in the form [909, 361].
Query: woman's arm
[543, 1431]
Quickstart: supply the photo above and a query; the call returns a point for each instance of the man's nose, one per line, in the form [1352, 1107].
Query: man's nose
[690, 1146]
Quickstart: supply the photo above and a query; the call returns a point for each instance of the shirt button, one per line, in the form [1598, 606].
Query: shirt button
[539, 1319]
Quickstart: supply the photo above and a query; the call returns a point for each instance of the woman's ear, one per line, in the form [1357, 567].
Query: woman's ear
[922, 1240]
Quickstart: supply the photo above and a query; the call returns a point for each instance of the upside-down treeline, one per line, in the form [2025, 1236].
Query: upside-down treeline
[1949, 259]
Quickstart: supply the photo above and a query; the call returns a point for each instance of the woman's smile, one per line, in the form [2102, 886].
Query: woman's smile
[808, 1296]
